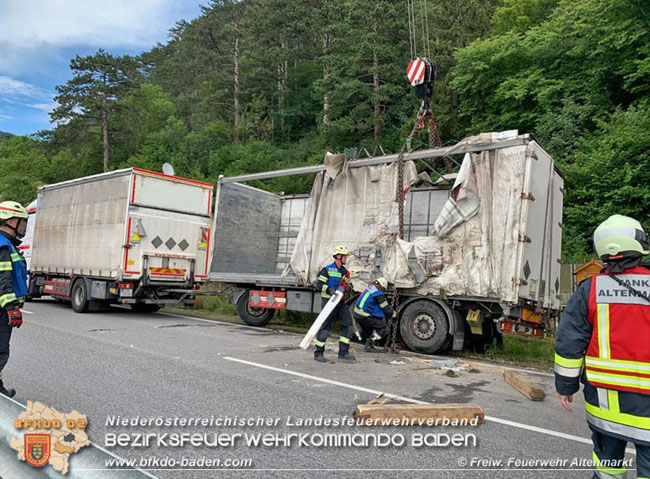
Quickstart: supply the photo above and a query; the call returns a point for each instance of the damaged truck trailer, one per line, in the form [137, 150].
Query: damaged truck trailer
[480, 253]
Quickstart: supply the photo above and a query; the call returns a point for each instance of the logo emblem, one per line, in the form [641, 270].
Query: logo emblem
[37, 449]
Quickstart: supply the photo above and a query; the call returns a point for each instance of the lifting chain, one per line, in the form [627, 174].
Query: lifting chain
[393, 323]
[435, 142]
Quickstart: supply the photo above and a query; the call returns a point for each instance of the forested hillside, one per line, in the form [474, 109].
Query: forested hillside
[264, 84]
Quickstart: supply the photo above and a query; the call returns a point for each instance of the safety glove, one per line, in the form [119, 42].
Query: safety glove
[15, 318]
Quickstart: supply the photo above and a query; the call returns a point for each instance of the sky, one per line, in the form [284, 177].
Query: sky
[38, 38]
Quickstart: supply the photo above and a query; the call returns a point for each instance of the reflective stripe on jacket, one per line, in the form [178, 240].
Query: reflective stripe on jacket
[372, 302]
[13, 274]
[613, 407]
[330, 277]
[618, 355]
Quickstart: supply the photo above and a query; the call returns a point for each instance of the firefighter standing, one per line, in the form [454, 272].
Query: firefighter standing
[330, 279]
[13, 278]
[603, 341]
[371, 311]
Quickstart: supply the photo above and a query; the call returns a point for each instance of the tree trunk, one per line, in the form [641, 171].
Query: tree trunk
[105, 138]
[377, 105]
[326, 77]
[283, 78]
[236, 82]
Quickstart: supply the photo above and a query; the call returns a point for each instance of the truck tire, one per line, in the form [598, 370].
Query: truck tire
[424, 327]
[79, 296]
[253, 316]
[145, 308]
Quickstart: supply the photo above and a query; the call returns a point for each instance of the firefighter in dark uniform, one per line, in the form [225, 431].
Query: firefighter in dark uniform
[331, 278]
[603, 342]
[13, 278]
[370, 313]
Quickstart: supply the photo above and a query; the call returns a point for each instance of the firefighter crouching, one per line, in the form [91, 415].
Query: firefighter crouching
[331, 278]
[371, 311]
[13, 278]
[603, 341]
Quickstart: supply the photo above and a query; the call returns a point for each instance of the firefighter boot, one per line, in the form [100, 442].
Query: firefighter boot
[344, 353]
[7, 392]
[370, 346]
[319, 354]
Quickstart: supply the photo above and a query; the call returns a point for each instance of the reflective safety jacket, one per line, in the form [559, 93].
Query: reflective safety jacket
[618, 355]
[13, 274]
[332, 277]
[604, 341]
[372, 302]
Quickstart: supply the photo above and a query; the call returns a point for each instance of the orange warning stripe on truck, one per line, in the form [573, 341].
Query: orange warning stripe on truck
[167, 271]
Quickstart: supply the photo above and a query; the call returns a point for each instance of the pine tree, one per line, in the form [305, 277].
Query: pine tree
[92, 94]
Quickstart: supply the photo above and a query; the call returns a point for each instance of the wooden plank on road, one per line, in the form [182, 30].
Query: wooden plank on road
[525, 385]
[420, 414]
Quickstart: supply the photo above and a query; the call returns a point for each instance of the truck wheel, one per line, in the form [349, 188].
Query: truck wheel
[145, 308]
[253, 316]
[424, 327]
[79, 296]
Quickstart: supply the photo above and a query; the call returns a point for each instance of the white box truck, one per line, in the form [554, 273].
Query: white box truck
[476, 254]
[129, 236]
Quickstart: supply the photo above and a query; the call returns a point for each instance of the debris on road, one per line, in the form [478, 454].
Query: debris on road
[524, 384]
[377, 398]
[444, 363]
[449, 364]
[397, 363]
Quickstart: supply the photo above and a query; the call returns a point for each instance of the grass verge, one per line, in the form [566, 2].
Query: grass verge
[518, 351]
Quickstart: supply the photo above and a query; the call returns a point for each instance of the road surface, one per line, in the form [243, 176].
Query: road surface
[125, 365]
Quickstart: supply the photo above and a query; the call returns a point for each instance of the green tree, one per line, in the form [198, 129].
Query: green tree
[365, 70]
[564, 71]
[93, 93]
[609, 175]
[22, 163]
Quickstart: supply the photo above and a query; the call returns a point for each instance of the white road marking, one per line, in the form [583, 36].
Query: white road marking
[506, 422]
[25, 311]
[226, 323]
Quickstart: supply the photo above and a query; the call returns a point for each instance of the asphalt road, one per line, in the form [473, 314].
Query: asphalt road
[131, 365]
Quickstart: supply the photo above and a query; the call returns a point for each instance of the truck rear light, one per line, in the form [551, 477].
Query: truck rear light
[521, 328]
[126, 285]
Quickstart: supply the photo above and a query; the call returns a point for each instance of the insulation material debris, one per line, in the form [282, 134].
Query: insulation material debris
[469, 250]
[354, 207]
[476, 235]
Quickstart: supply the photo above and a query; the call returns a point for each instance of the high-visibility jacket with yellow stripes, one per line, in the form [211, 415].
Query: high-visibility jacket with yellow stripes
[604, 341]
[332, 277]
[372, 302]
[13, 274]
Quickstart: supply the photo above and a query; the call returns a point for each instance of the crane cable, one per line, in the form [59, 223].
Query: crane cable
[412, 37]
[423, 27]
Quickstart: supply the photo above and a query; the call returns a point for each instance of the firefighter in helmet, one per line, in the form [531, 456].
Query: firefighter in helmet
[13, 278]
[371, 311]
[603, 341]
[331, 278]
